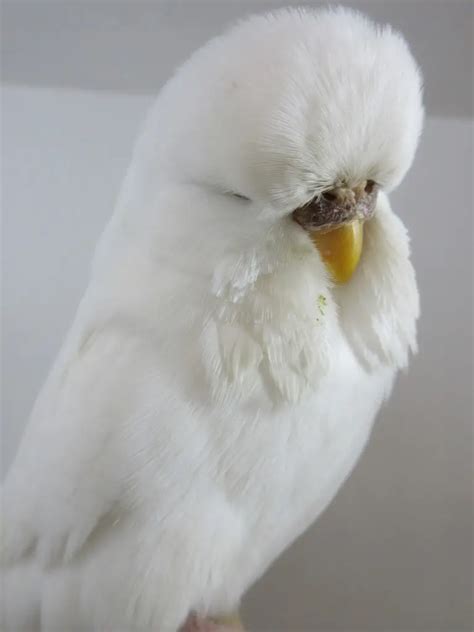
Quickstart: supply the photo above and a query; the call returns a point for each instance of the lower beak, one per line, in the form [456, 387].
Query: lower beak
[340, 248]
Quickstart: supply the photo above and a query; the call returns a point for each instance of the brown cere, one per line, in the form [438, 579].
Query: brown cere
[338, 206]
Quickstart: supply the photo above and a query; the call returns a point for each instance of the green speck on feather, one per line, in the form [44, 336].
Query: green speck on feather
[322, 302]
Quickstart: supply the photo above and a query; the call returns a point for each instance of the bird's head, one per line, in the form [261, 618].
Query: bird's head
[302, 114]
[284, 132]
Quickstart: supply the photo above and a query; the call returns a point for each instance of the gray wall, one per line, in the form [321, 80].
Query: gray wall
[394, 551]
[130, 46]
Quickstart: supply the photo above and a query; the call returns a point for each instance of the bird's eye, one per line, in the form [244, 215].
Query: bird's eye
[369, 187]
[239, 196]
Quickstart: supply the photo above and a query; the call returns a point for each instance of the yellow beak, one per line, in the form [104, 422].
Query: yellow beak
[340, 249]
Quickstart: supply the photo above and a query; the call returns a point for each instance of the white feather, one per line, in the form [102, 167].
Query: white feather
[215, 390]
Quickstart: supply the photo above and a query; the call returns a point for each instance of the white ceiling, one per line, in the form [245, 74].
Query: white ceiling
[132, 47]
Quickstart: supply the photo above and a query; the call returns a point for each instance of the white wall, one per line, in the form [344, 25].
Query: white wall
[393, 551]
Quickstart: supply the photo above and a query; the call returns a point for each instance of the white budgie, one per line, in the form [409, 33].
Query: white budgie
[220, 380]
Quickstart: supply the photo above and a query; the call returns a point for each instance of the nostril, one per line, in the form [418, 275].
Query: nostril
[329, 195]
[369, 187]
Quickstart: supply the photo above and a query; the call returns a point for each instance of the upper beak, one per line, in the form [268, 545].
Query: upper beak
[340, 205]
[334, 221]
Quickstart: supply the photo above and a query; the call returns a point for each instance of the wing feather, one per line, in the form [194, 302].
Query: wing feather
[69, 470]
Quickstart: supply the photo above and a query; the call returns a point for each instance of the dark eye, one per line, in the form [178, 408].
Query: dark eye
[369, 187]
[239, 196]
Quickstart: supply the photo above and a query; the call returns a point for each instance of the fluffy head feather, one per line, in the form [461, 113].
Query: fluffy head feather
[287, 104]
[277, 110]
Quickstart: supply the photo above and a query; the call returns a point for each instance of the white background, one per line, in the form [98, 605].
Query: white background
[393, 552]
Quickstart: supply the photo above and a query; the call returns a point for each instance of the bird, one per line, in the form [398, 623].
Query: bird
[249, 305]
